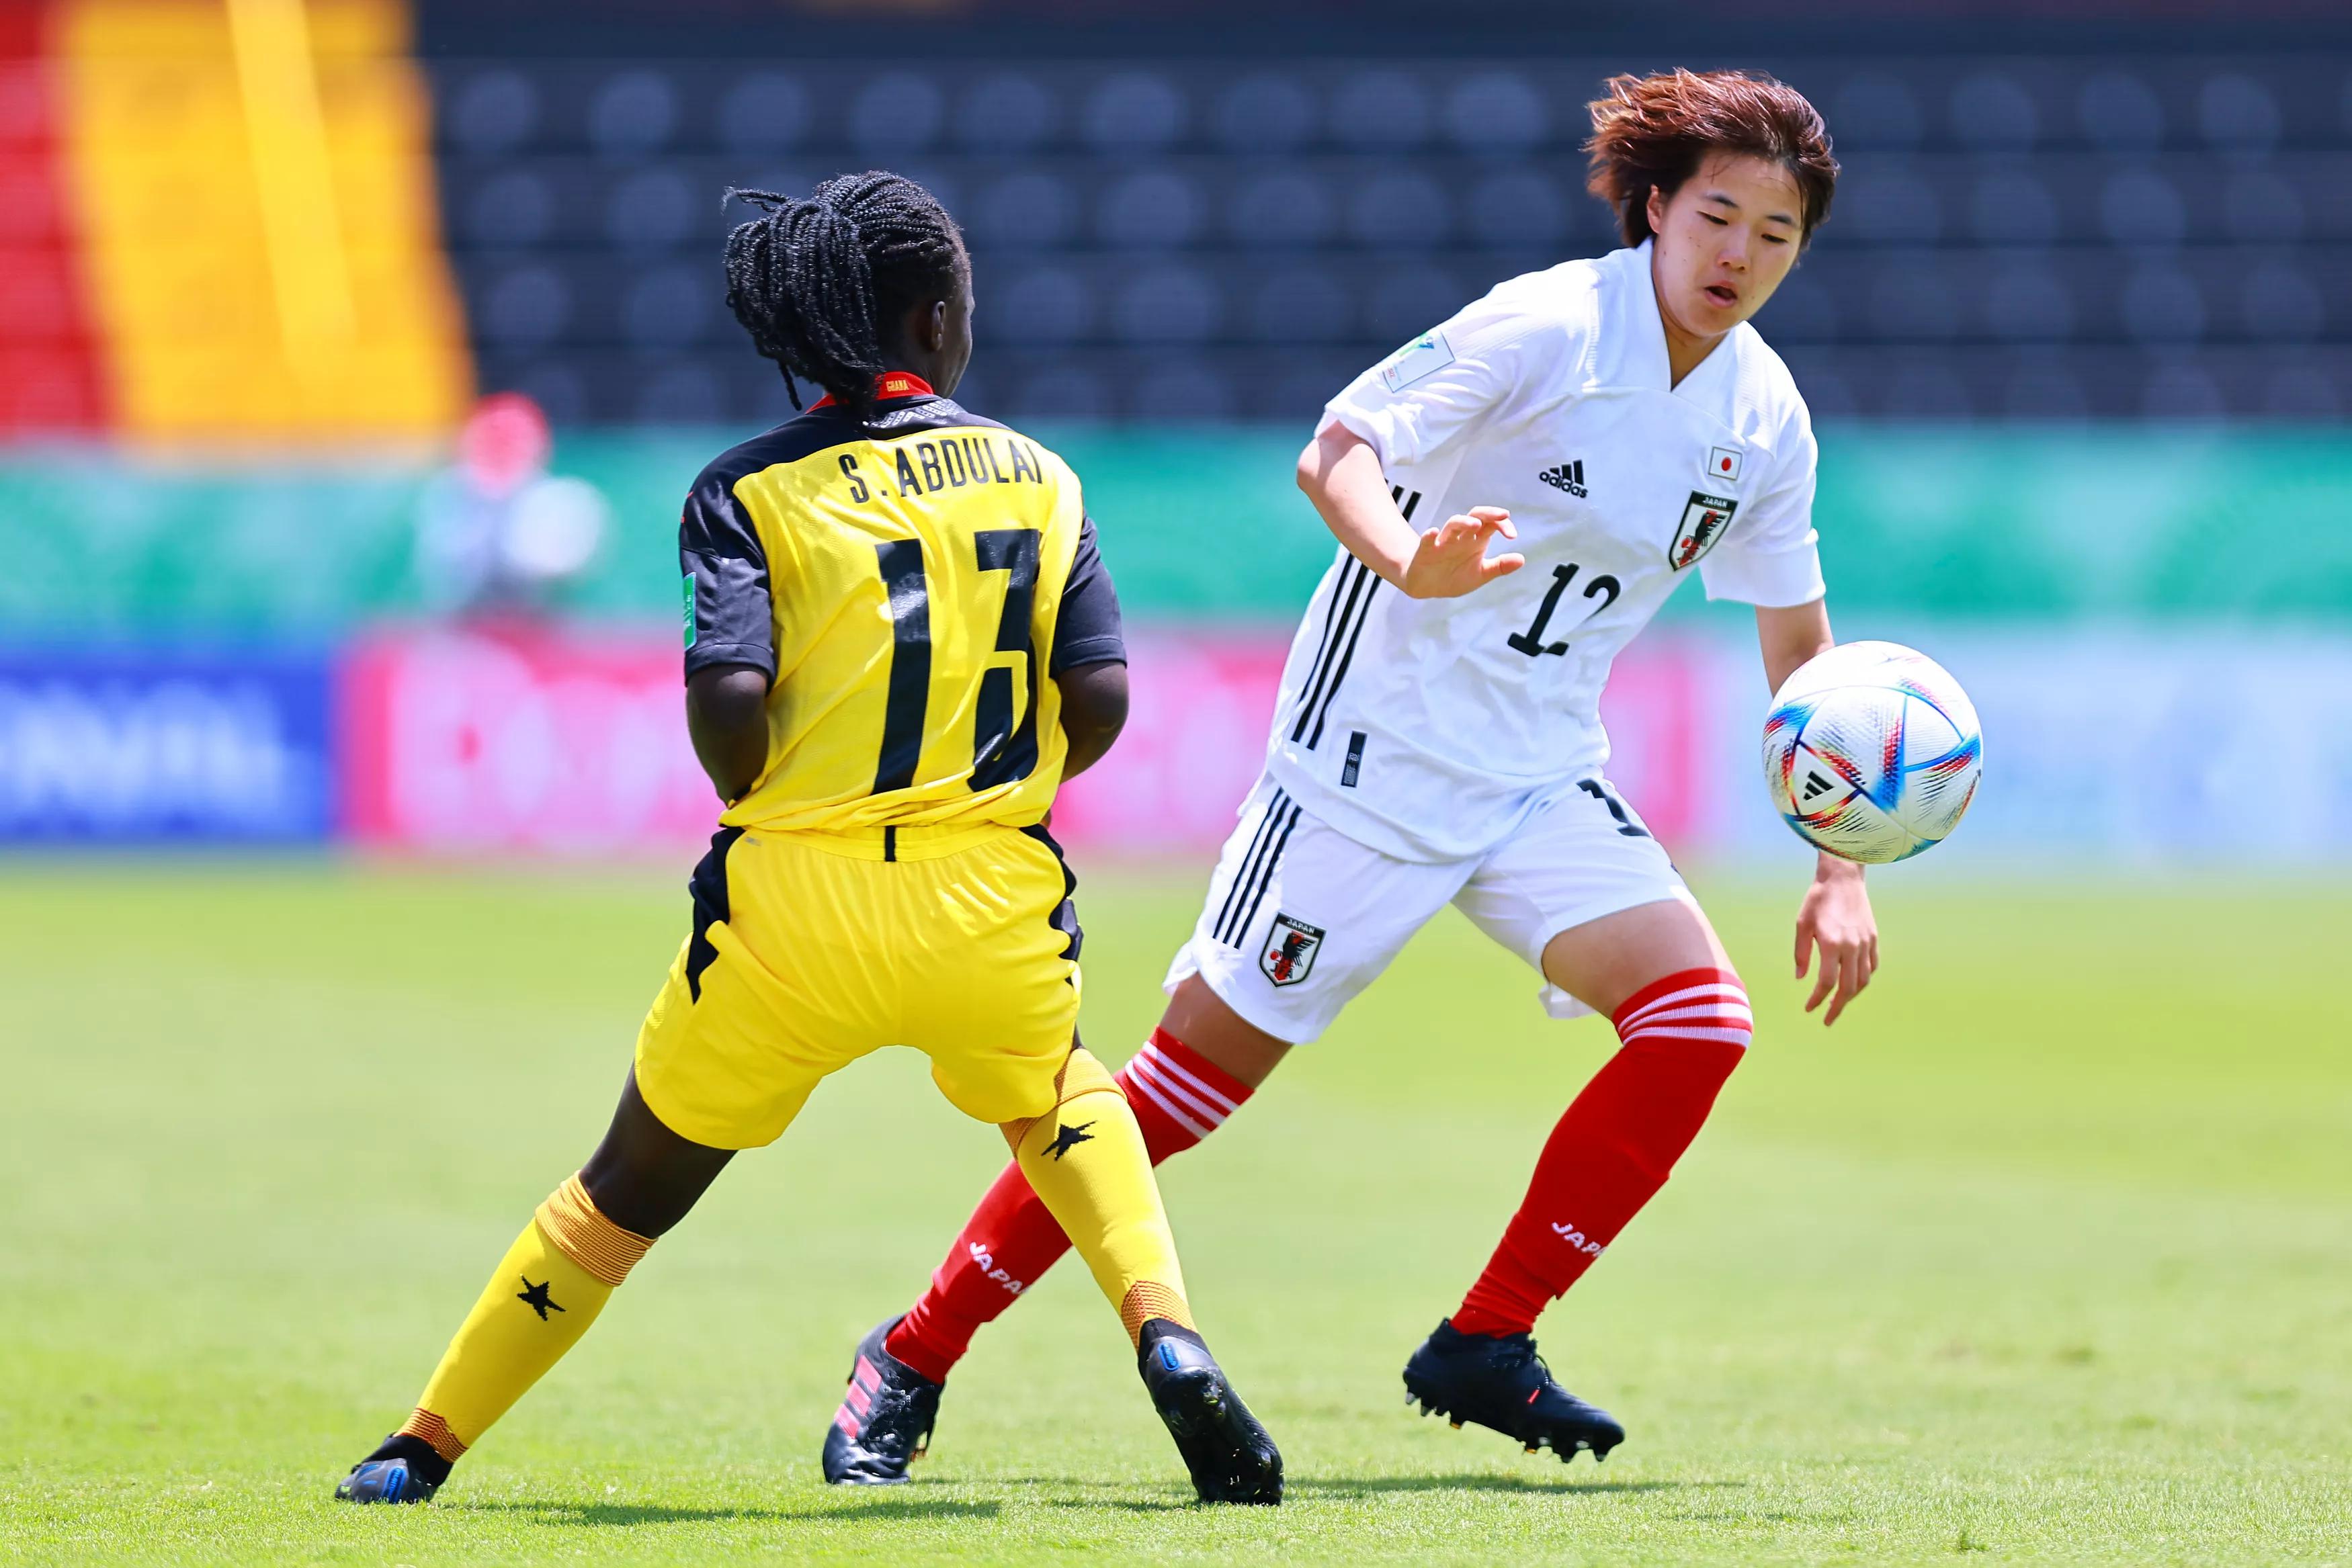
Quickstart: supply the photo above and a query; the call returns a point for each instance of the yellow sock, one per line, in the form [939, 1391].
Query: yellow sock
[548, 1289]
[1085, 1160]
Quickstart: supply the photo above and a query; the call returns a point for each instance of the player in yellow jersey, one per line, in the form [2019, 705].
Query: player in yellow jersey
[899, 640]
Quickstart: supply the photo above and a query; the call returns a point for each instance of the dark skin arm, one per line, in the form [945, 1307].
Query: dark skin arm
[727, 718]
[1094, 710]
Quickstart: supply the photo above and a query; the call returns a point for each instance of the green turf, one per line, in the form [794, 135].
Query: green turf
[2046, 1254]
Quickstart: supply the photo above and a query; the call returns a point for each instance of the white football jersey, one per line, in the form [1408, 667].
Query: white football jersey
[1429, 728]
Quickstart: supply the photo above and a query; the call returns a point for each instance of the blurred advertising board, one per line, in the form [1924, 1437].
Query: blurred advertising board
[521, 740]
[117, 746]
[2117, 745]
[1201, 704]
[529, 741]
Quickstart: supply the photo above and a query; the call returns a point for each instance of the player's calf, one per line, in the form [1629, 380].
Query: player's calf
[1178, 1097]
[1615, 1144]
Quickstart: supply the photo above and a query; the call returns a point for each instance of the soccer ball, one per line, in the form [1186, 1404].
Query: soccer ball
[1872, 751]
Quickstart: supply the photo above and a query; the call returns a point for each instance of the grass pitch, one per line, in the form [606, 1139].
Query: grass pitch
[2045, 1254]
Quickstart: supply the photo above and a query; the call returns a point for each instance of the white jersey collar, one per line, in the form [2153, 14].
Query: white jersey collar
[1640, 333]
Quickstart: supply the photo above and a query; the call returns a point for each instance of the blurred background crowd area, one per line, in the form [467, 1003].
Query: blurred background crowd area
[376, 341]
[2142, 218]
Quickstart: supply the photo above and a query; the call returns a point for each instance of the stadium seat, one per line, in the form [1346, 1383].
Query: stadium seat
[1157, 210]
[1166, 305]
[1044, 305]
[1134, 111]
[1522, 202]
[1992, 110]
[1006, 112]
[1382, 108]
[634, 113]
[1400, 211]
[897, 113]
[1281, 208]
[492, 111]
[655, 209]
[1496, 111]
[765, 112]
[1026, 211]
[670, 305]
[1301, 304]
[1264, 114]
[2117, 110]
[2235, 113]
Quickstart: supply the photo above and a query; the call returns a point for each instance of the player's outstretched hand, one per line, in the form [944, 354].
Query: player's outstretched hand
[1452, 557]
[1835, 917]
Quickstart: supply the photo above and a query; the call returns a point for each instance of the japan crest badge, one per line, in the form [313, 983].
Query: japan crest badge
[1705, 518]
[1290, 949]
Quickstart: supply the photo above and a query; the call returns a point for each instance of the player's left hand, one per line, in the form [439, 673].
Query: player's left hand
[1835, 917]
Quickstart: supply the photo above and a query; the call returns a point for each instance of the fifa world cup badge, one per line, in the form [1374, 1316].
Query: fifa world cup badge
[1290, 950]
[1705, 518]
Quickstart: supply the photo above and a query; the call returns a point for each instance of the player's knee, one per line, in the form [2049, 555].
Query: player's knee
[1693, 1006]
[1085, 1074]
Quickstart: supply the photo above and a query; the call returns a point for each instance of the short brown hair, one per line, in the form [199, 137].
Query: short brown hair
[1653, 132]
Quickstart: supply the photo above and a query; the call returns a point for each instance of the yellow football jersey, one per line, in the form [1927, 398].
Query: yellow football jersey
[909, 584]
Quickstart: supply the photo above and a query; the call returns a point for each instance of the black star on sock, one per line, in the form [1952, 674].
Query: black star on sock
[1068, 1138]
[536, 1298]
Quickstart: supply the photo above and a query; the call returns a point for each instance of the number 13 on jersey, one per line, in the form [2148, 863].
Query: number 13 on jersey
[1002, 752]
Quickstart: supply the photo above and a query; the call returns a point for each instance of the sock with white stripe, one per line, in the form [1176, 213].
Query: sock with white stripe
[1178, 1096]
[1615, 1144]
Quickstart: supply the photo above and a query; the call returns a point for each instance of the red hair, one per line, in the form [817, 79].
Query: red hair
[1652, 133]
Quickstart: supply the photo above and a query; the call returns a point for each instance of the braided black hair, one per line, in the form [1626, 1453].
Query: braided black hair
[816, 281]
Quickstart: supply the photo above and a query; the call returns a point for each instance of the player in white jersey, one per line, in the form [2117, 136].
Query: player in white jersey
[1438, 737]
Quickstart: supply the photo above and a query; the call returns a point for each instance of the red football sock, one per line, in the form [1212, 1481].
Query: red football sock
[1615, 1144]
[1011, 1239]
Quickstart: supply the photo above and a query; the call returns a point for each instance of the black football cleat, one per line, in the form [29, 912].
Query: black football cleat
[401, 1469]
[1500, 1382]
[1230, 1456]
[884, 1424]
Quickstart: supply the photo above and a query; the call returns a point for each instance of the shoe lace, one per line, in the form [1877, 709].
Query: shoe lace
[900, 1422]
[1516, 1353]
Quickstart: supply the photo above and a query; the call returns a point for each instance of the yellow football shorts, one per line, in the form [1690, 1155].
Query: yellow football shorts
[810, 950]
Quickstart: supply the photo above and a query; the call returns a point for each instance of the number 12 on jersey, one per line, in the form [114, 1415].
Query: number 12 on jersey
[1530, 642]
[1001, 754]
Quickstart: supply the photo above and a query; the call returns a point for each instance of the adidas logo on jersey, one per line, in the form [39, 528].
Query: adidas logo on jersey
[1568, 477]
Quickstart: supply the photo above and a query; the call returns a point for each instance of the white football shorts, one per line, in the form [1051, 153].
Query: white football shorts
[1300, 917]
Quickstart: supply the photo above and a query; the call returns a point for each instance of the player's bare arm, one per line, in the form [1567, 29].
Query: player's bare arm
[1340, 472]
[1835, 915]
[1094, 710]
[726, 719]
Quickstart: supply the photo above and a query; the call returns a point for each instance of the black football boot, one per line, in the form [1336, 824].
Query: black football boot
[884, 1424]
[1230, 1456]
[1499, 1381]
[401, 1469]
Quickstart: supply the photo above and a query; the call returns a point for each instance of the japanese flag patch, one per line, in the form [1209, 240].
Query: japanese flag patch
[1424, 356]
[1723, 465]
